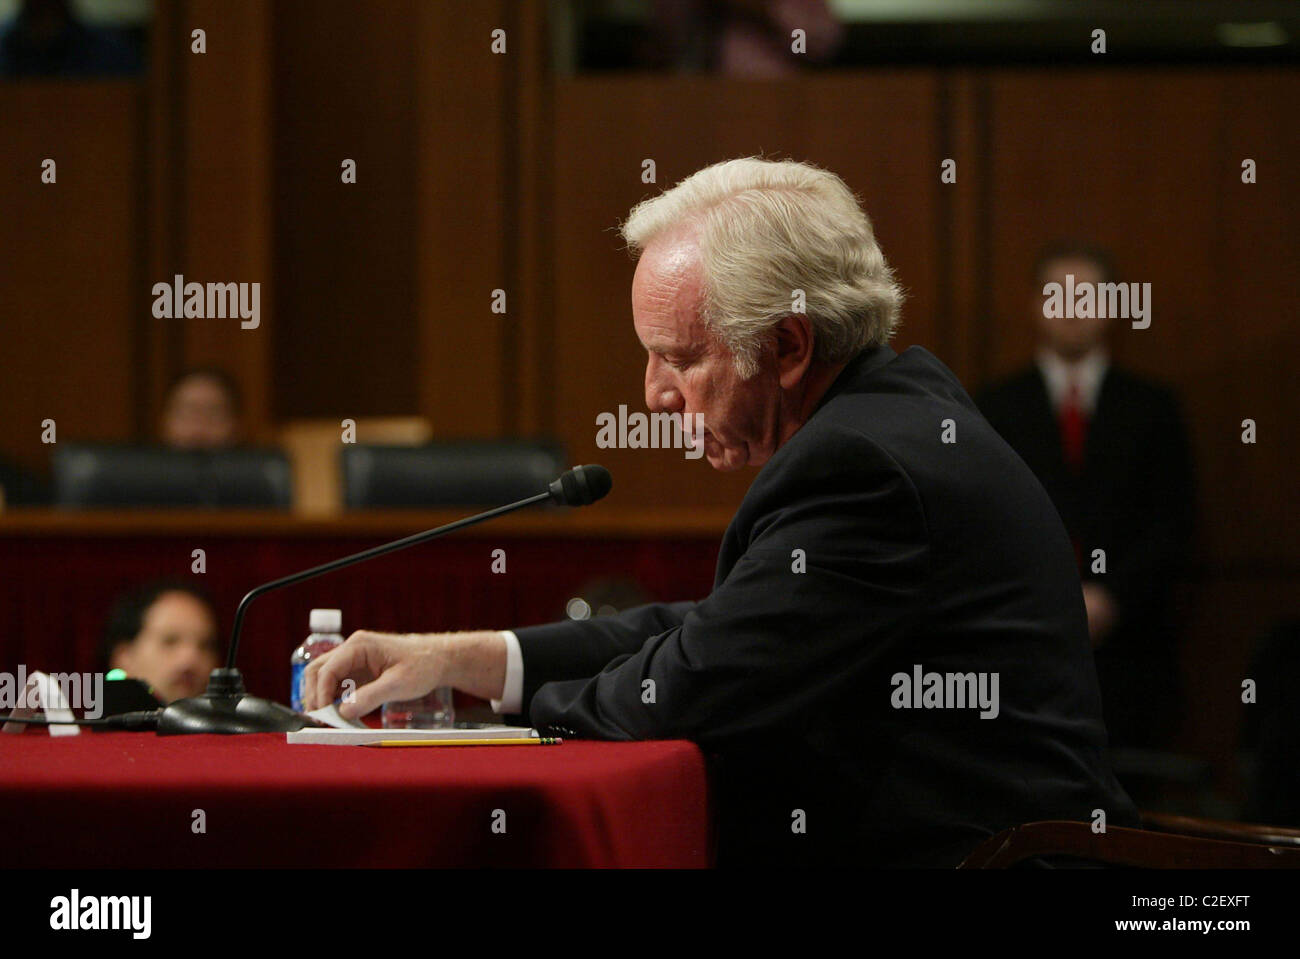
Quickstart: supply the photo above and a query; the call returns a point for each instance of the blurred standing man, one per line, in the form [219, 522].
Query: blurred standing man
[1112, 451]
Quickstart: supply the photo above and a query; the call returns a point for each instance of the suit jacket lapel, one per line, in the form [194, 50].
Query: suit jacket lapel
[1102, 414]
[1044, 415]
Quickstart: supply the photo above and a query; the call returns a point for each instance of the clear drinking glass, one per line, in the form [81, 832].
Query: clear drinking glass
[433, 711]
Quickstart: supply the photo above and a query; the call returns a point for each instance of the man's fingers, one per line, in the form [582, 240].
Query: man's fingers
[308, 690]
[310, 677]
[333, 668]
[369, 670]
[370, 696]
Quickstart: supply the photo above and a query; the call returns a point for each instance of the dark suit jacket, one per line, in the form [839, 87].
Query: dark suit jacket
[1134, 499]
[918, 552]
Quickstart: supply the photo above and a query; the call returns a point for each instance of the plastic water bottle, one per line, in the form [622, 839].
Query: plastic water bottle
[325, 635]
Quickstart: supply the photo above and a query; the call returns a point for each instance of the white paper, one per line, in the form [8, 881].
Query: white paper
[358, 737]
[329, 715]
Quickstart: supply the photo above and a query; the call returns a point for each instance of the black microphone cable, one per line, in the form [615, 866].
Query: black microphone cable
[142, 719]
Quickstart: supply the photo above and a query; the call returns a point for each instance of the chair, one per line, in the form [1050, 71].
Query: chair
[97, 475]
[1220, 829]
[313, 447]
[487, 473]
[1118, 846]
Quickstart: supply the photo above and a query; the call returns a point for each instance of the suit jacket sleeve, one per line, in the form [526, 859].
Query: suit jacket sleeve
[770, 642]
[1156, 553]
[580, 649]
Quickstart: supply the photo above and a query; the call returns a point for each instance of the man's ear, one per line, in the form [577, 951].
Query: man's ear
[794, 349]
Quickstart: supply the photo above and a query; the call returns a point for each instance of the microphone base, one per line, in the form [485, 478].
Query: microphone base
[227, 709]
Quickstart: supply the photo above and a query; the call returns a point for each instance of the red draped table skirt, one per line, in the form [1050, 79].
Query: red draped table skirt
[128, 800]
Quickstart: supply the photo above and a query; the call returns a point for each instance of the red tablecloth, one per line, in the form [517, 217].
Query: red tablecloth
[130, 800]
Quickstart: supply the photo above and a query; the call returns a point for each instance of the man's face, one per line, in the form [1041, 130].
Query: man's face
[199, 415]
[176, 649]
[689, 371]
[1069, 336]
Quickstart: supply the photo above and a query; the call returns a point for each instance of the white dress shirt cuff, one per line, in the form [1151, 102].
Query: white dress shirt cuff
[511, 700]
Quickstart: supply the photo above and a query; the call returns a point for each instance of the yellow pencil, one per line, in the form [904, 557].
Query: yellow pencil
[467, 742]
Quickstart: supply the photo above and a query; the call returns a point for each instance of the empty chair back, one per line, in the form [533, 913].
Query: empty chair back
[448, 474]
[90, 476]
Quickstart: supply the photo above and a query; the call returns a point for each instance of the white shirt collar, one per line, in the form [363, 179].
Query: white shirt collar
[1088, 371]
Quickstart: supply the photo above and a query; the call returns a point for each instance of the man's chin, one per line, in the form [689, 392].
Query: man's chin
[721, 464]
[182, 691]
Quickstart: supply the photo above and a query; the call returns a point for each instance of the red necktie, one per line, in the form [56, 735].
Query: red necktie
[1074, 428]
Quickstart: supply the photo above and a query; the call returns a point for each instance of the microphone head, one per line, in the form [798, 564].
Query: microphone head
[582, 486]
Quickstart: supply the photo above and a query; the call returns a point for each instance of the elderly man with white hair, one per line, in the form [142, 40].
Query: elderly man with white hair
[893, 663]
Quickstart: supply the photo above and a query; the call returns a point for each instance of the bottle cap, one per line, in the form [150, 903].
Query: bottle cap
[326, 620]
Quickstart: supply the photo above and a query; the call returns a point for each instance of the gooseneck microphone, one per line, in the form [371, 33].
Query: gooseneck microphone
[580, 486]
[227, 708]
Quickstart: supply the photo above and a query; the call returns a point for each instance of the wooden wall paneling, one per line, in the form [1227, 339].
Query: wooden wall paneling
[529, 390]
[964, 250]
[68, 255]
[344, 76]
[227, 190]
[1244, 365]
[159, 341]
[462, 218]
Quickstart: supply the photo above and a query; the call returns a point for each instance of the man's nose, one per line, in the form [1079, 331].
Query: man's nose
[192, 658]
[663, 400]
[661, 396]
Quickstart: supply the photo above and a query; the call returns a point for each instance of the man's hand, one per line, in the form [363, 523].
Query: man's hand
[1102, 612]
[391, 667]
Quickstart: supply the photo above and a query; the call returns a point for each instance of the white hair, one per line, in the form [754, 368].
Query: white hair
[767, 229]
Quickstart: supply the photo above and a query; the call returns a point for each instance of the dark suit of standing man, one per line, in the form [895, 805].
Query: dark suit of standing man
[893, 663]
[1111, 449]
